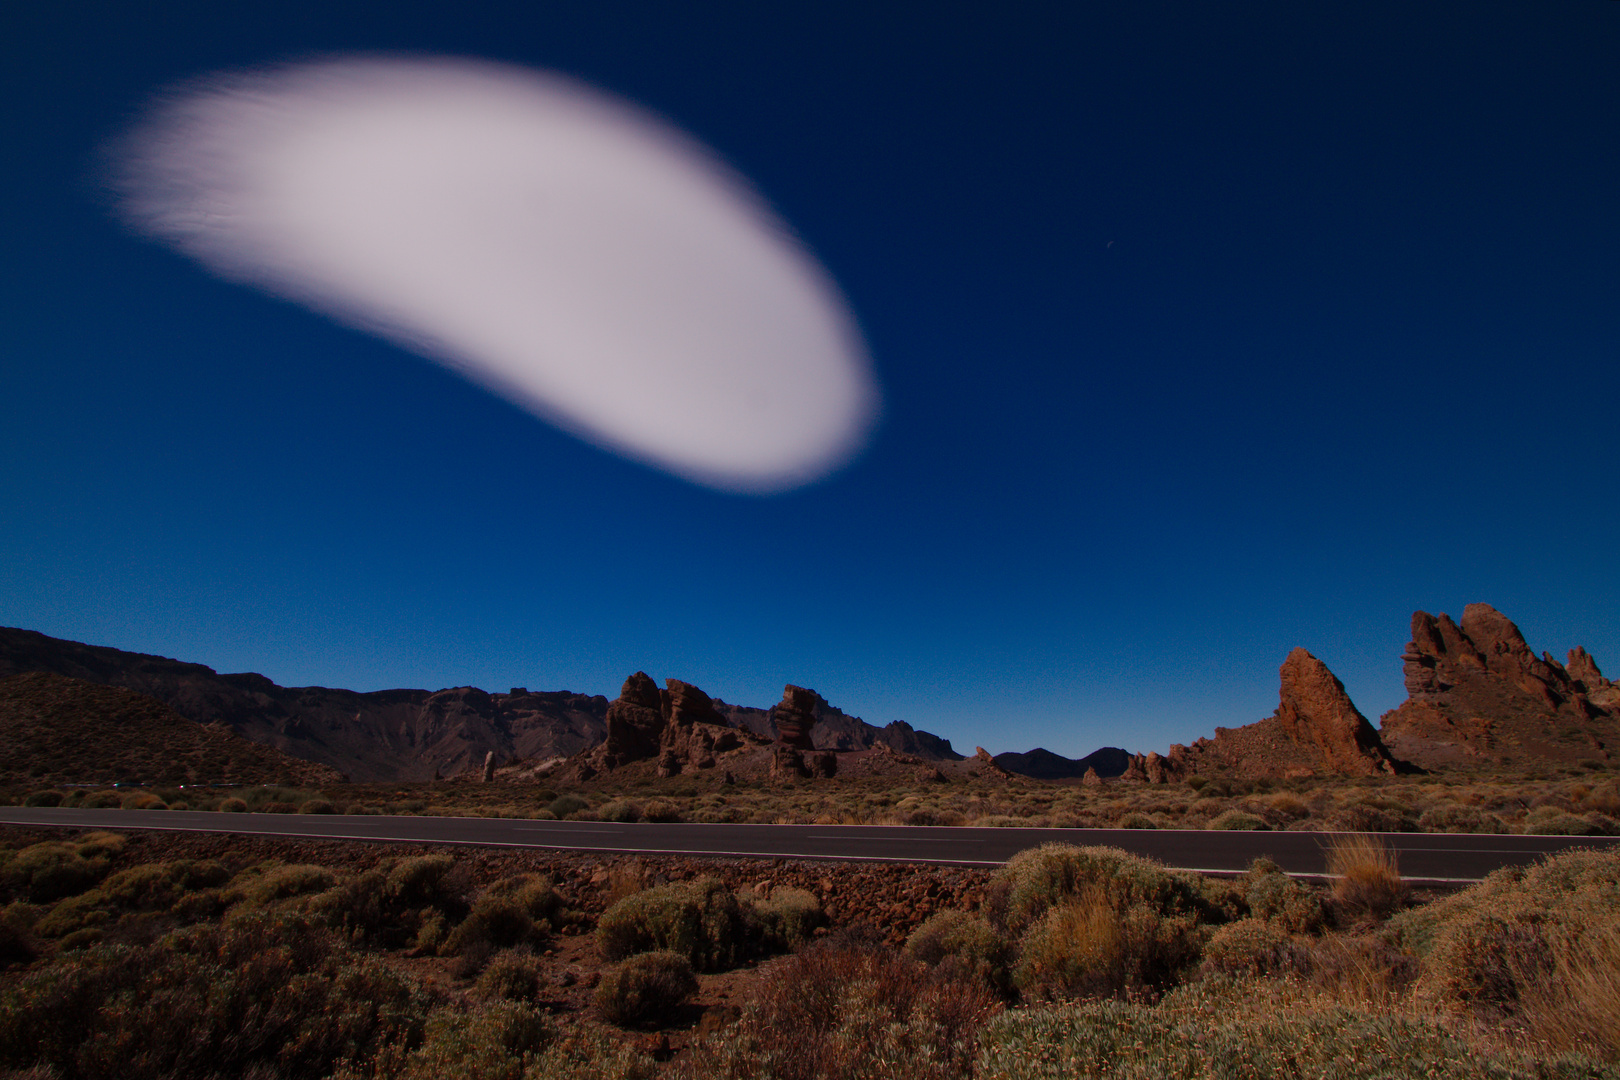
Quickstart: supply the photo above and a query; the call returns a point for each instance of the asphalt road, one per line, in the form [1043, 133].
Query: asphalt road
[1433, 857]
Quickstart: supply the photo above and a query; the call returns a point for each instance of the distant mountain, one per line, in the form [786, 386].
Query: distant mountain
[1042, 764]
[383, 735]
[402, 734]
[58, 730]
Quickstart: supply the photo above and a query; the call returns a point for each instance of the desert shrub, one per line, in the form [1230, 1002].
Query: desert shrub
[1238, 820]
[1135, 820]
[563, 805]
[1252, 947]
[147, 887]
[316, 806]
[1275, 897]
[521, 910]
[1035, 879]
[1538, 945]
[142, 800]
[701, 920]
[620, 810]
[1287, 806]
[790, 917]
[1117, 1041]
[283, 882]
[265, 991]
[848, 1007]
[493, 1041]
[510, 975]
[1551, 821]
[43, 798]
[1451, 818]
[101, 800]
[233, 806]
[966, 942]
[43, 873]
[389, 904]
[1371, 816]
[646, 988]
[1092, 945]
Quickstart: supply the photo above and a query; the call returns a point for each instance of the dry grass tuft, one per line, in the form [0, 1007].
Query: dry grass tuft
[1367, 878]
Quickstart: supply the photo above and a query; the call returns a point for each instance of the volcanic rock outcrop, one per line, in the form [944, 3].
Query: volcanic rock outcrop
[678, 726]
[1477, 696]
[1316, 731]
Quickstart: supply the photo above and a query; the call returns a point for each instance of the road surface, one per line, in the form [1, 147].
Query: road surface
[1424, 857]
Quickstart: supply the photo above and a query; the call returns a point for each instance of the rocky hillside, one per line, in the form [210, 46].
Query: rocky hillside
[417, 734]
[1477, 696]
[383, 735]
[58, 730]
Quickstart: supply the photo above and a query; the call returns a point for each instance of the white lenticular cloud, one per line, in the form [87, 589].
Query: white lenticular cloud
[564, 249]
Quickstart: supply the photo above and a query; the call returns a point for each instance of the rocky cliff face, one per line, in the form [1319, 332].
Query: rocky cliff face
[1478, 696]
[1316, 731]
[384, 735]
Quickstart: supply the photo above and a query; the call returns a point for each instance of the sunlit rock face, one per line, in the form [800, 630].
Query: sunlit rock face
[1478, 696]
[563, 248]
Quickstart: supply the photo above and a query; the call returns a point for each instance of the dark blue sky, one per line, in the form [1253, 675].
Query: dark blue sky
[1204, 331]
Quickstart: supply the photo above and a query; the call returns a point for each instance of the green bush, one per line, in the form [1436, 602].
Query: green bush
[1551, 821]
[283, 882]
[646, 988]
[43, 873]
[619, 810]
[1238, 821]
[1272, 895]
[1092, 945]
[494, 1041]
[510, 975]
[966, 941]
[700, 920]
[389, 904]
[1036, 879]
[660, 810]
[1459, 819]
[1253, 947]
[521, 910]
[790, 917]
[563, 805]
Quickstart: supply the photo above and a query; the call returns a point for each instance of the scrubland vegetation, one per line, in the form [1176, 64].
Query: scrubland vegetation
[142, 956]
[1567, 802]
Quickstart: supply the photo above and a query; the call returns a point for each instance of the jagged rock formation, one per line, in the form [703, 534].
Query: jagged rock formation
[383, 735]
[1316, 731]
[834, 729]
[1042, 764]
[678, 727]
[795, 717]
[1477, 696]
[59, 730]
